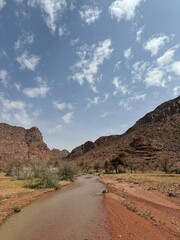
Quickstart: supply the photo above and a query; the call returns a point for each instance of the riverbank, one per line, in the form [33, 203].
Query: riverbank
[13, 194]
[142, 206]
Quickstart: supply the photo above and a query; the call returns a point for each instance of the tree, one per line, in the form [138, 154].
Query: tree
[108, 167]
[167, 164]
[118, 161]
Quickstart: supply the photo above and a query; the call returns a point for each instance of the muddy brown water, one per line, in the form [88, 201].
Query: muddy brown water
[73, 213]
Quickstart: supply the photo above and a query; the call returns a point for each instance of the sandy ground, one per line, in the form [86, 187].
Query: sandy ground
[137, 211]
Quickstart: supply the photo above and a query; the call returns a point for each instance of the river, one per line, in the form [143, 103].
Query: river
[74, 213]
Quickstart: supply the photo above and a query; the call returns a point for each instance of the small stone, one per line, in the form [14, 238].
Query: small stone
[104, 191]
[171, 194]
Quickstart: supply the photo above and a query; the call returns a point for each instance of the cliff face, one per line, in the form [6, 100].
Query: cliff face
[153, 138]
[22, 144]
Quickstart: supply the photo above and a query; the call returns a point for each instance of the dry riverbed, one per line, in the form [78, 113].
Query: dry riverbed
[143, 206]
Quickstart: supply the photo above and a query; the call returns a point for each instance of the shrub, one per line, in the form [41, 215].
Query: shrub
[67, 171]
[167, 164]
[22, 173]
[47, 177]
[16, 208]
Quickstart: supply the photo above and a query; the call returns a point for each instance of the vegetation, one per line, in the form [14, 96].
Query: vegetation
[46, 177]
[67, 171]
[152, 181]
[16, 208]
[167, 164]
[118, 164]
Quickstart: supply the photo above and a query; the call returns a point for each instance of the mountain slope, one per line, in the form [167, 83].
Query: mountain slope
[17, 143]
[153, 138]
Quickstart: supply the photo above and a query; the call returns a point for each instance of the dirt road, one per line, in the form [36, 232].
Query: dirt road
[73, 213]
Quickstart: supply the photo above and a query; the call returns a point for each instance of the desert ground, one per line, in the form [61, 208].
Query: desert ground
[138, 206]
[143, 206]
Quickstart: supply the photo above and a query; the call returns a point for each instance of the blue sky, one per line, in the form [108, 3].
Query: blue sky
[82, 69]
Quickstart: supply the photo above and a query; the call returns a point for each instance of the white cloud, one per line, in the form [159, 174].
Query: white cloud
[106, 96]
[62, 106]
[52, 10]
[155, 77]
[17, 86]
[139, 68]
[27, 61]
[91, 58]
[176, 91]
[39, 91]
[126, 9]
[14, 112]
[166, 58]
[67, 118]
[89, 14]
[139, 97]
[128, 53]
[154, 44]
[4, 77]
[105, 114]
[73, 42]
[63, 31]
[2, 4]
[119, 87]
[26, 39]
[94, 101]
[125, 104]
[175, 68]
[139, 33]
[117, 66]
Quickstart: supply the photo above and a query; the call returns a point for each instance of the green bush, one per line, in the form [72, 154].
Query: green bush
[67, 171]
[47, 178]
[16, 208]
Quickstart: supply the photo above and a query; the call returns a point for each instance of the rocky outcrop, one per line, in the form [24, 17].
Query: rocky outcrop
[22, 144]
[79, 151]
[160, 114]
[57, 154]
[153, 138]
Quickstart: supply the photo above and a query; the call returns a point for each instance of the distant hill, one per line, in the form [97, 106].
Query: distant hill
[153, 138]
[57, 154]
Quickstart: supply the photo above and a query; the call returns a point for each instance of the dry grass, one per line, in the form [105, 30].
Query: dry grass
[160, 181]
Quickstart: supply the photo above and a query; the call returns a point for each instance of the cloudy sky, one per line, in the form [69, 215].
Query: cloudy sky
[82, 69]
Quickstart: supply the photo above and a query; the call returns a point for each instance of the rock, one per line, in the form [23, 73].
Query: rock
[17, 143]
[171, 194]
[104, 191]
[57, 154]
[79, 151]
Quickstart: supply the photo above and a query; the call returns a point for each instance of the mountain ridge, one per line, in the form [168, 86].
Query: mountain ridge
[151, 139]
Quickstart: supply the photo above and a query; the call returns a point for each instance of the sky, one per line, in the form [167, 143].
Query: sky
[79, 70]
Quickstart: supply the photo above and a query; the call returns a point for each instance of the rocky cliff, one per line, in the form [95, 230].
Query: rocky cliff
[22, 144]
[153, 138]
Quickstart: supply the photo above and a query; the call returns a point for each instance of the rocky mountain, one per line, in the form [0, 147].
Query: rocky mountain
[17, 143]
[57, 154]
[153, 138]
